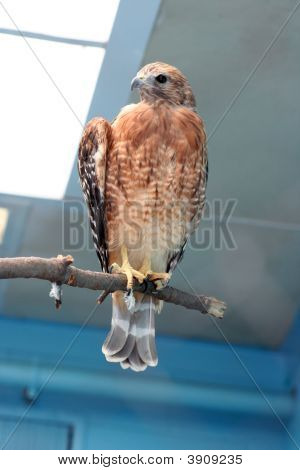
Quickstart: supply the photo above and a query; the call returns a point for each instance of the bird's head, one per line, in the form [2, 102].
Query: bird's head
[159, 81]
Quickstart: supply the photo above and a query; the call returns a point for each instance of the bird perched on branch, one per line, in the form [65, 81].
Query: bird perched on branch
[144, 177]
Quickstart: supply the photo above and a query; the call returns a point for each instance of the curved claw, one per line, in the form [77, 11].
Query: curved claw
[159, 279]
[129, 272]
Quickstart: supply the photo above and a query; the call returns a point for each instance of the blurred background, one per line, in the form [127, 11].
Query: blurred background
[220, 384]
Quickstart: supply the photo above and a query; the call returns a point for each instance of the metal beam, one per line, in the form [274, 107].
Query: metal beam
[164, 392]
[50, 37]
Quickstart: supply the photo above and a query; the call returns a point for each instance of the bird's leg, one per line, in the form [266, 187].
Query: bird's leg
[126, 269]
[160, 280]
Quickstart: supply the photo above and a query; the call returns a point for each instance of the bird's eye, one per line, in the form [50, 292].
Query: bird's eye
[161, 78]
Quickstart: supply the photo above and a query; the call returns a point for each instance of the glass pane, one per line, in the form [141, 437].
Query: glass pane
[88, 19]
[40, 131]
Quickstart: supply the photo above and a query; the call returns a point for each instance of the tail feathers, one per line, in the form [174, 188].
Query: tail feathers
[125, 352]
[131, 340]
[135, 361]
[120, 325]
[145, 333]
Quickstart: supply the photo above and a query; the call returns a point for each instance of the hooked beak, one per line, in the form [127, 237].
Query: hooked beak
[136, 83]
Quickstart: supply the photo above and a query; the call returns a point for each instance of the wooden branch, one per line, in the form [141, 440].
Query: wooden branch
[59, 270]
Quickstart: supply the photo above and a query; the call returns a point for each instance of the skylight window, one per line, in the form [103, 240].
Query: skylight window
[81, 19]
[45, 95]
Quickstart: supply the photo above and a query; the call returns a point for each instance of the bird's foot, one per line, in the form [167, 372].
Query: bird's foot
[160, 280]
[129, 272]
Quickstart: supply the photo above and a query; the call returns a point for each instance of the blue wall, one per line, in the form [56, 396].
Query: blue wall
[201, 396]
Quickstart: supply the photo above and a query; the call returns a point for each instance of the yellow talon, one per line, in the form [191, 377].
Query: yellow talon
[159, 279]
[127, 269]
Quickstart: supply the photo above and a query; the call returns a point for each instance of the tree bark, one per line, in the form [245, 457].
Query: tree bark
[60, 271]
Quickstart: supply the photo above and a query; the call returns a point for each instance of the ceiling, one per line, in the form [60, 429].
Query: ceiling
[244, 69]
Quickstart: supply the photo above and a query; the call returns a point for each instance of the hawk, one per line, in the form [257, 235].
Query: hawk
[144, 178]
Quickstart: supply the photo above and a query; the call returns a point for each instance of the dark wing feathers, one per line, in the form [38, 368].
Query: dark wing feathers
[176, 257]
[92, 158]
